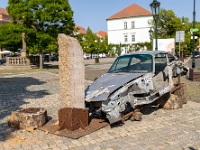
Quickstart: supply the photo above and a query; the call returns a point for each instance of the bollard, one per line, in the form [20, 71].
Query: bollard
[96, 60]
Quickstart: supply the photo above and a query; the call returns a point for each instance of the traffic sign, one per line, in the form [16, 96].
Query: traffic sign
[195, 37]
[194, 30]
[180, 36]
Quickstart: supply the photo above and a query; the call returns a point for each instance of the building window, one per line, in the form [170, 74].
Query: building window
[133, 24]
[125, 38]
[133, 37]
[125, 25]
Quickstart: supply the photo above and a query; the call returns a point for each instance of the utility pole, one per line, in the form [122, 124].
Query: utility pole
[193, 41]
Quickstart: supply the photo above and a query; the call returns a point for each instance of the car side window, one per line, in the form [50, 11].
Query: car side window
[160, 62]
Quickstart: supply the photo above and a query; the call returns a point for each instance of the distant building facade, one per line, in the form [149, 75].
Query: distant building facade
[4, 17]
[129, 26]
[80, 30]
[101, 34]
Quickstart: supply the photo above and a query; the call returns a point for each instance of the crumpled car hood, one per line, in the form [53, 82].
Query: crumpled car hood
[107, 84]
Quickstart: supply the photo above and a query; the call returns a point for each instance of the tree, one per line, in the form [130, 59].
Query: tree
[11, 36]
[46, 17]
[104, 46]
[169, 23]
[44, 41]
[80, 38]
[90, 44]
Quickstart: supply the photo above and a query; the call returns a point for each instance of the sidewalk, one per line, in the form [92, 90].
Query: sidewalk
[159, 129]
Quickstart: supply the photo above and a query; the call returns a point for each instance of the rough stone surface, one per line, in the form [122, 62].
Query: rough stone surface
[170, 101]
[173, 102]
[137, 116]
[28, 118]
[71, 72]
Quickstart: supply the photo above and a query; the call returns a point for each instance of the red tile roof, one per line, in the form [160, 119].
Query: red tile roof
[102, 33]
[131, 11]
[4, 17]
[80, 29]
[3, 11]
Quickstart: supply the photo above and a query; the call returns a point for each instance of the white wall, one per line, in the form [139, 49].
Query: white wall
[116, 30]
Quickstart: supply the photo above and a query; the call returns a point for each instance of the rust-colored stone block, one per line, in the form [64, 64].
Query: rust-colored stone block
[72, 118]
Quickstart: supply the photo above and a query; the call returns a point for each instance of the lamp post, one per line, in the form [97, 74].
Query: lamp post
[183, 23]
[193, 41]
[180, 38]
[97, 58]
[155, 8]
[150, 34]
[98, 46]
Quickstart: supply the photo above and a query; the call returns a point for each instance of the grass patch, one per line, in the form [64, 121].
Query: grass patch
[19, 71]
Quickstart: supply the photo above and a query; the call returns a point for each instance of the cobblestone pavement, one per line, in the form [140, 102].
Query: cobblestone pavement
[159, 129]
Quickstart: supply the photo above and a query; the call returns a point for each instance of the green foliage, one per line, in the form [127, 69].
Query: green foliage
[80, 38]
[43, 41]
[46, 17]
[11, 36]
[169, 23]
[90, 44]
[104, 46]
[145, 44]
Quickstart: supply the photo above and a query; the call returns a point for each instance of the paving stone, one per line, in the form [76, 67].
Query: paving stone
[159, 130]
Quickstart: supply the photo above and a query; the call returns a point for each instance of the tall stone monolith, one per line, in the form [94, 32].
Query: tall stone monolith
[71, 71]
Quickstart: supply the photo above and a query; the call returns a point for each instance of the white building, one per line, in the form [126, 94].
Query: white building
[129, 26]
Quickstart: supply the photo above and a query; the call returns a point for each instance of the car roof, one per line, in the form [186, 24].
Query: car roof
[151, 52]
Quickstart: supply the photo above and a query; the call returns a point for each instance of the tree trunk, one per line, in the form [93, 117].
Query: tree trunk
[1, 50]
[41, 60]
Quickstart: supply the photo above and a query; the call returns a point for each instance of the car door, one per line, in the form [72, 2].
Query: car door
[162, 79]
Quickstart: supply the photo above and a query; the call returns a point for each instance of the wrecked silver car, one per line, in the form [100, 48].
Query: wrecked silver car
[134, 79]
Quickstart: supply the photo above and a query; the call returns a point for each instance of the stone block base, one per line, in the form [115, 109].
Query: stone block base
[73, 118]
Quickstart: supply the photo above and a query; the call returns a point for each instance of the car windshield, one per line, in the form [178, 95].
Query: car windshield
[137, 63]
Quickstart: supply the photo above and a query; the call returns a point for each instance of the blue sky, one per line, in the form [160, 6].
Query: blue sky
[93, 13]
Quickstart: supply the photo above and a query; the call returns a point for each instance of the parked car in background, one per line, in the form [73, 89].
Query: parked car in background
[54, 58]
[1, 61]
[46, 57]
[134, 79]
[196, 54]
[102, 55]
[86, 56]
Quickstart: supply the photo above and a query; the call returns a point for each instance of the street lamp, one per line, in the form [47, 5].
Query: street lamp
[155, 8]
[193, 60]
[181, 55]
[150, 34]
[180, 37]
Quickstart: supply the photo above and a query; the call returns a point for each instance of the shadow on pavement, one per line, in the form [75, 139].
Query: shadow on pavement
[14, 92]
